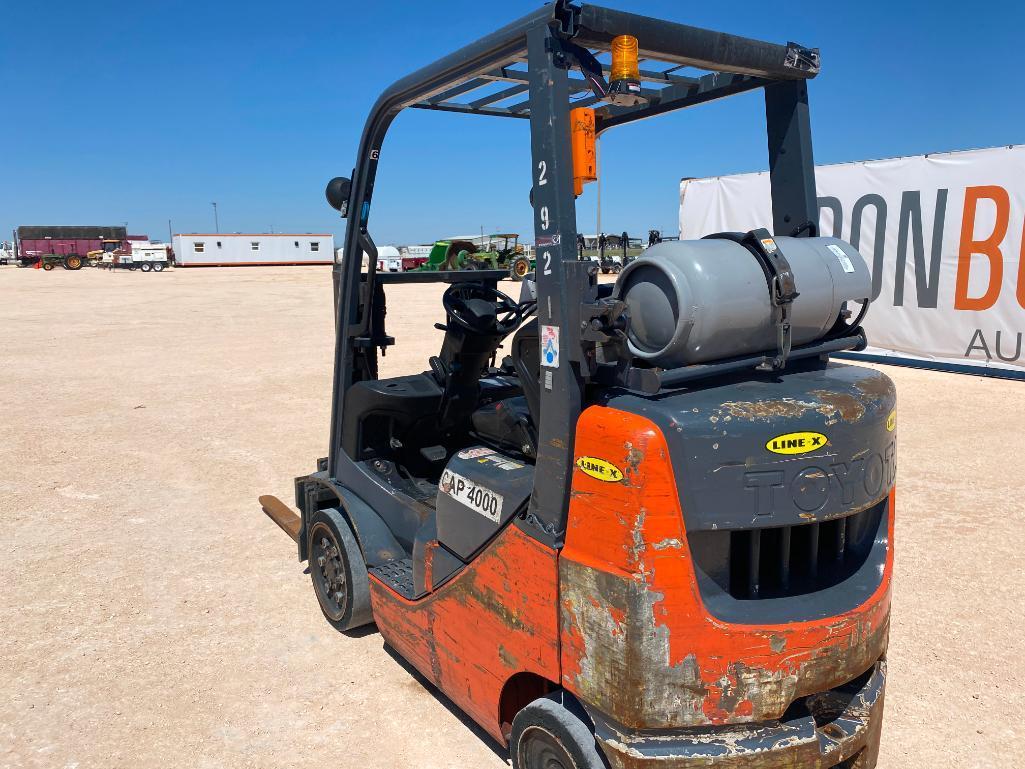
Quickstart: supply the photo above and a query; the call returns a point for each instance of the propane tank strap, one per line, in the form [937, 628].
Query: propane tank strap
[779, 279]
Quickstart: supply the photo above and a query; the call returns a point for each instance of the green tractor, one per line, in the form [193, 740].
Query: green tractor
[491, 252]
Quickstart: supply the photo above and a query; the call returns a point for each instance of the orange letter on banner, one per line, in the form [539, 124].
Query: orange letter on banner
[989, 247]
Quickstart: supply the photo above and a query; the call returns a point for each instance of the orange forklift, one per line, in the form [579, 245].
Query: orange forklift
[658, 530]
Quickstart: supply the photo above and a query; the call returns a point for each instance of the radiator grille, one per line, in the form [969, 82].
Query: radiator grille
[752, 564]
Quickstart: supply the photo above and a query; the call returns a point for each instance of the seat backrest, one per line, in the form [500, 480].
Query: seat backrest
[526, 357]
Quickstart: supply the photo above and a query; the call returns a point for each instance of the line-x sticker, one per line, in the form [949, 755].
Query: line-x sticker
[796, 443]
[600, 469]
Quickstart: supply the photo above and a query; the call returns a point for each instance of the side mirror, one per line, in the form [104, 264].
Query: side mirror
[337, 192]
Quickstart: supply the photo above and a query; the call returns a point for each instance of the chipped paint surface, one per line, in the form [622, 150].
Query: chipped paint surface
[638, 644]
[849, 732]
[498, 617]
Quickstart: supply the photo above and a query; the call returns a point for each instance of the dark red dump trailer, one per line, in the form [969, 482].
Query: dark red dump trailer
[67, 246]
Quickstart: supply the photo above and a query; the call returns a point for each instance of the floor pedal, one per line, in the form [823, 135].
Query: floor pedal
[398, 575]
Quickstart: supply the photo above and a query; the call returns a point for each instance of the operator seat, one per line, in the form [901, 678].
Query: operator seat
[512, 423]
[526, 357]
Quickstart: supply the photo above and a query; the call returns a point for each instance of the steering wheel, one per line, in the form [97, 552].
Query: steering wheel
[480, 309]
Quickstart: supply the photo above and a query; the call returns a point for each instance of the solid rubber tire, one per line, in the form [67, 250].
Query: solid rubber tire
[356, 612]
[549, 716]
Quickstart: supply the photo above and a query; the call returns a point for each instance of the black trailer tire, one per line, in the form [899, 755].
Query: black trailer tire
[47, 266]
[547, 734]
[338, 571]
[146, 267]
[158, 266]
[131, 268]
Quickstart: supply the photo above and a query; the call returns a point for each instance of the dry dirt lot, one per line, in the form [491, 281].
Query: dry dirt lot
[151, 616]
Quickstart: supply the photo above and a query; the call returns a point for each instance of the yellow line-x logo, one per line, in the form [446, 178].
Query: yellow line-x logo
[796, 443]
[600, 469]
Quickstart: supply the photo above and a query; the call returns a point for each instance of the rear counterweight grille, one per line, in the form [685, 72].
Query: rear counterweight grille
[753, 564]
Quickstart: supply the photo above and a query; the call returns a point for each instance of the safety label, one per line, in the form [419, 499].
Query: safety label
[550, 346]
[476, 497]
[478, 451]
[845, 261]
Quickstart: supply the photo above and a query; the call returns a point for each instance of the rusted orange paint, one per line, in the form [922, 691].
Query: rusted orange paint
[498, 617]
[709, 671]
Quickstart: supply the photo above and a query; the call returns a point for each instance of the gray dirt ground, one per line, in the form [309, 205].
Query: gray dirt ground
[151, 616]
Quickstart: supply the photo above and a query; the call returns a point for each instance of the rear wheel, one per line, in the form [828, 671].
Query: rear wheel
[73, 262]
[158, 266]
[547, 734]
[338, 571]
[520, 267]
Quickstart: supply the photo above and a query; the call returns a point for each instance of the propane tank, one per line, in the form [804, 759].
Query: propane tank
[696, 301]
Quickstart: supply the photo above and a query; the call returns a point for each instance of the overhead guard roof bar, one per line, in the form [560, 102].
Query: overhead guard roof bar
[736, 64]
[686, 45]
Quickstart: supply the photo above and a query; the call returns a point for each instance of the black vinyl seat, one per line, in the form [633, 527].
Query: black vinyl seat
[511, 423]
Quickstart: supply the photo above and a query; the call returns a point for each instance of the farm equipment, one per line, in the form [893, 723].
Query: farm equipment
[494, 252]
[659, 534]
[610, 252]
[69, 247]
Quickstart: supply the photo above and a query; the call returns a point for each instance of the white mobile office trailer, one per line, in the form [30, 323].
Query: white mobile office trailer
[243, 250]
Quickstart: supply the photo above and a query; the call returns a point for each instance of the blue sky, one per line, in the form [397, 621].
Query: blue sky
[141, 112]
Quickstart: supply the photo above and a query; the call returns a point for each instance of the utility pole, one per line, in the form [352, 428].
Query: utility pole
[170, 237]
[217, 226]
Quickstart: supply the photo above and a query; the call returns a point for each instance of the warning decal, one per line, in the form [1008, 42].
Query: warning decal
[845, 261]
[550, 346]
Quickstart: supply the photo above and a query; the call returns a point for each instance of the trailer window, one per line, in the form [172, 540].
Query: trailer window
[255, 245]
[314, 246]
[297, 244]
[198, 247]
[218, 244]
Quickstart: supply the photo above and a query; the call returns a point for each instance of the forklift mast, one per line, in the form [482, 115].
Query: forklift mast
[560, 44]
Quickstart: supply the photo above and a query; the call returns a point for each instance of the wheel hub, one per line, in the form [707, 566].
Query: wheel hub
[331, 572]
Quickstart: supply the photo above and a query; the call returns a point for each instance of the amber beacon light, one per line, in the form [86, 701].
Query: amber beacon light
[625, 88]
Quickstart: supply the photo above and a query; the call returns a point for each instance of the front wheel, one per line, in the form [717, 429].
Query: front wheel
[338, 571]
[547, 734]
[146, 267]
[47, 266]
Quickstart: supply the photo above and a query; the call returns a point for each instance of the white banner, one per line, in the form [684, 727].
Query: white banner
[942, 236]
